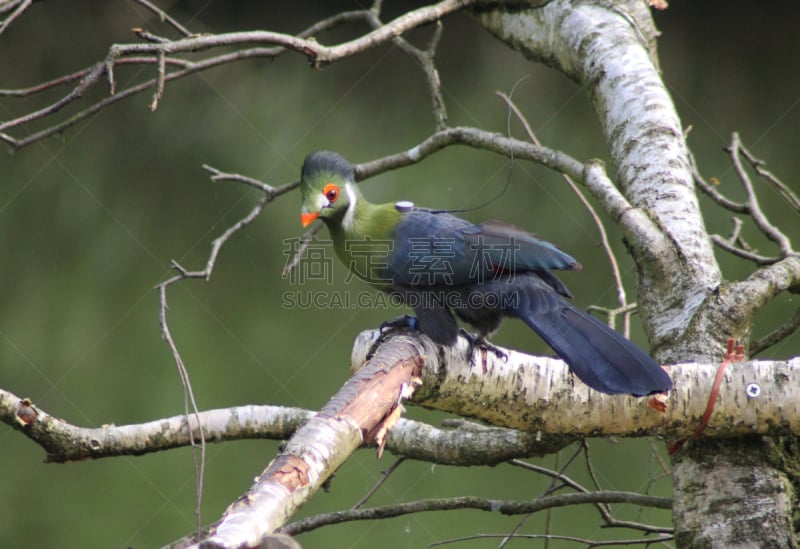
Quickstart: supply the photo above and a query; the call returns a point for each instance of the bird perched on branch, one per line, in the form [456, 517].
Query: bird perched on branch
[439, 265]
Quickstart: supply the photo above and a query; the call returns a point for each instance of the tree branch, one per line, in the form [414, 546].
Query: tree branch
[748, 296]
[16, 7]
[164, 16]
[384, 477]
[191, 408]
[561, 408]
[363, 410]
[710, 189]
[603, 509]
[782, 332]
[540, 395]
[735, 244]
[753, 204]
[504, 507]
[590, 543]
[789, 196]
[466, 444]
[550, 402]
[65, 442]
[478, 139]
[159, 51]
[424, 59]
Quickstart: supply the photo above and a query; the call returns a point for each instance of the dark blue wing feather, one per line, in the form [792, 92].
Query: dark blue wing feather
[439, 249]
[511, 249]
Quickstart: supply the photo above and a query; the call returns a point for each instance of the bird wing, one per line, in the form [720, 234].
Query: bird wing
[512, 249]
[439, 249]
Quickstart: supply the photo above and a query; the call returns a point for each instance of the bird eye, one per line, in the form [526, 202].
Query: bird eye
[331, 192]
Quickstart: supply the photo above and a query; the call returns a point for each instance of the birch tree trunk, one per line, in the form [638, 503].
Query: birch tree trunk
[727, 493]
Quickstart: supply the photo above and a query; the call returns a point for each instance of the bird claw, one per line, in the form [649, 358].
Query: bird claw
[405, 321]
[478, 341]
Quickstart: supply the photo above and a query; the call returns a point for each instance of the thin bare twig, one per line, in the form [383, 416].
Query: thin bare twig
[188, 401]
[782, 188]
[505, 507]
[769, 230]
[547, 537]
[782, 332]
[90, 78]
[587, 459]
[303, 43]
[477, 139]
[666, 468]
[218, 175]
[556, 476]
[68, 78]
[164, 16]
[305, 240]
[610, 520]
[148, 36]
[611, 313]
[160, 79]
[216, 245]
[710, 188]
[386, 474]
[18, 7]
[735, 244]
[612, 258]
[424, 59]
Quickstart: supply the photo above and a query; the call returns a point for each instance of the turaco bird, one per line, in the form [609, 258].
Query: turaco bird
[438, 265]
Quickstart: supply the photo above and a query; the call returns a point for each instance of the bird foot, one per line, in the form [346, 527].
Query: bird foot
[405, 321]
[478, 341]
[401, 322]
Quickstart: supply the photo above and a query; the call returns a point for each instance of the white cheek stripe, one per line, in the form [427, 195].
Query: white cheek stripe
[350, 214]
[321, 202]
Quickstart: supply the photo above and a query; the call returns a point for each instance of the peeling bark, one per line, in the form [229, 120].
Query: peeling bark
[319, 447]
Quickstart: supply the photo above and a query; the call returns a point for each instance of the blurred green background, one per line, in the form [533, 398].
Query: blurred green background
[90, 221]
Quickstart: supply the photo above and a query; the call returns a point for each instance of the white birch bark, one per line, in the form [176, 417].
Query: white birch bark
[688, 311]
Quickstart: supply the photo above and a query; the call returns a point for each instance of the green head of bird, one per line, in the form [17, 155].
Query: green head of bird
[327, 187]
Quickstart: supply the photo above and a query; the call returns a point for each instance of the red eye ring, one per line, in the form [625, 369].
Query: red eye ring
[331, 192]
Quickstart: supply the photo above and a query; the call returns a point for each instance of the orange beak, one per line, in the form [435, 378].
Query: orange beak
[308, 218]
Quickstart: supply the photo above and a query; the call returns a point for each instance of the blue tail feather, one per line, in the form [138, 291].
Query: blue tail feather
[600, 356]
